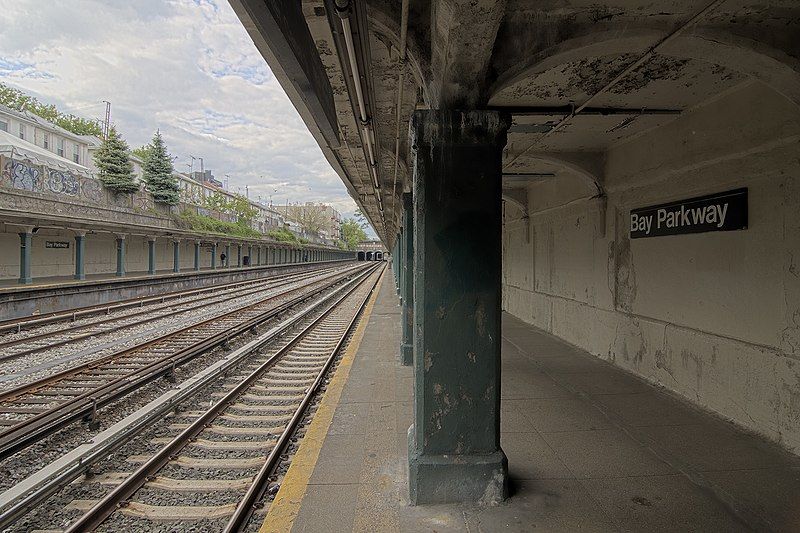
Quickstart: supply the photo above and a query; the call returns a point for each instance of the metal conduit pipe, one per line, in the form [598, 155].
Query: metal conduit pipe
[402, 61]
[344, 11]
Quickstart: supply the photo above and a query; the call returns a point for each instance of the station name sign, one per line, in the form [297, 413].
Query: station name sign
[56, 244]
[725, 211]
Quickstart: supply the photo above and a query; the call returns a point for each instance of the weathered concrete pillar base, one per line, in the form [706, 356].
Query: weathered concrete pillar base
[457, 478]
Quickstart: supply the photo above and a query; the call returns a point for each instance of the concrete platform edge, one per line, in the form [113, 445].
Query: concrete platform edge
[286, 506]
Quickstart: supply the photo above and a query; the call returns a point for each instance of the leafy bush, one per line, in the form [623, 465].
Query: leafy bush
[205, 224]
[283, 235]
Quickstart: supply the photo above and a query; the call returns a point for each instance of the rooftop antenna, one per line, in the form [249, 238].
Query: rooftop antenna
[107, 121]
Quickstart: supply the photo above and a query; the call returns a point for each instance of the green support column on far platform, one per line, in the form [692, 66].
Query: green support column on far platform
[176, 255]
[213, 256]
[239, 255]
[151, 255]
[407, 253]
[120, 255]
[197, 255]
[227, 255]
[80, 255]
[454, 442]
[25, 244]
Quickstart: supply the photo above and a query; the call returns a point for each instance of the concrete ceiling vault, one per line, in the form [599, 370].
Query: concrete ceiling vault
[578, 77]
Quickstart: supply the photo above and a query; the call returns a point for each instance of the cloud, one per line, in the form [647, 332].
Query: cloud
[186, 67]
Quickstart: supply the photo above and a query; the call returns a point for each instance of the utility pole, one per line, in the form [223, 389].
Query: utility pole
[191, 166]
[247, 191]
[107, 121]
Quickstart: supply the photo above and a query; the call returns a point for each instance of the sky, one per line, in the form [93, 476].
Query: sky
[184, 67]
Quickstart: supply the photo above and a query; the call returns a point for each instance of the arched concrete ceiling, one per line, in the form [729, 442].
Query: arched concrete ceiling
[579, 77]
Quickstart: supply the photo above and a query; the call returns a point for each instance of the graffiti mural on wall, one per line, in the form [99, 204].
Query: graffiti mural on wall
[21, 175]
[62, 183]
[67, 187]
[92, 190]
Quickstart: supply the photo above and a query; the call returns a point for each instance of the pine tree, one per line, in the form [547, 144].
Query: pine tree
[157, 171]
[114, 162]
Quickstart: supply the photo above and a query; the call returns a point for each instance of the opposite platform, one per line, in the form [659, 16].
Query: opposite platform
[589, 446]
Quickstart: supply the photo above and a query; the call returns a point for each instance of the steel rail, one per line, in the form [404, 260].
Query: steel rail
[35, 428]
[247, 505]
[26, 495]
[110, 503]
[29, 388]
[18, 324]
[194, 304]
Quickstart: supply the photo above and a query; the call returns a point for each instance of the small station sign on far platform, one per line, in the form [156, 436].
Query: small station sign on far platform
[725, 211]
[56, 244]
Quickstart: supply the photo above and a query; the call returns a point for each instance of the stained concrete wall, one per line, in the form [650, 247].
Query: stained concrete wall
[715, 316]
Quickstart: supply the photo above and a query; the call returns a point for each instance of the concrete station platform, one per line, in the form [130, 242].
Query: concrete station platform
[47, 295]
[590, 447]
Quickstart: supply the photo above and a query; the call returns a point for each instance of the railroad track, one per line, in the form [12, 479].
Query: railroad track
[16, 325]
[214, 463]
[158, 309]
[30, 412]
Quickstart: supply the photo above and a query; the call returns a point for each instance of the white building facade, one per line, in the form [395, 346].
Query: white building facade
[45, 134]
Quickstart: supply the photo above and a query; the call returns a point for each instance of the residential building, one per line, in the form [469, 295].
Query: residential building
[206, 177]
[315, 215]
[44, 134]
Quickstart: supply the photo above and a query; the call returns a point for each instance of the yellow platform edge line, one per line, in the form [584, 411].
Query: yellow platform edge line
[284, 509]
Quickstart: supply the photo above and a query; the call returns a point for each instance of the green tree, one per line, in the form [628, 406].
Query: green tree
[157, 172]
[16, 99]
[236, 205]
[141, 151]
[360, 218]
[114, 162]
[353, 233]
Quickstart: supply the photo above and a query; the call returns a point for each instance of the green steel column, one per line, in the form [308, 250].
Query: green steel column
[239, 255]
[151, 255]
[454, 442]
[213, 256]
[176, 255]
[401, 264]
[197, 255]
[250, 254]
[407, 312]
[80, 256]
[259, 256]
[120, 255]
[227, 255]
[25, 244]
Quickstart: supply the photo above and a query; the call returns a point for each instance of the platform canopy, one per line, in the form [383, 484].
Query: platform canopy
[576, 76]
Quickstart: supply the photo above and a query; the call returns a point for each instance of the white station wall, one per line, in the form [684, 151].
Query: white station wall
[713, 316]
